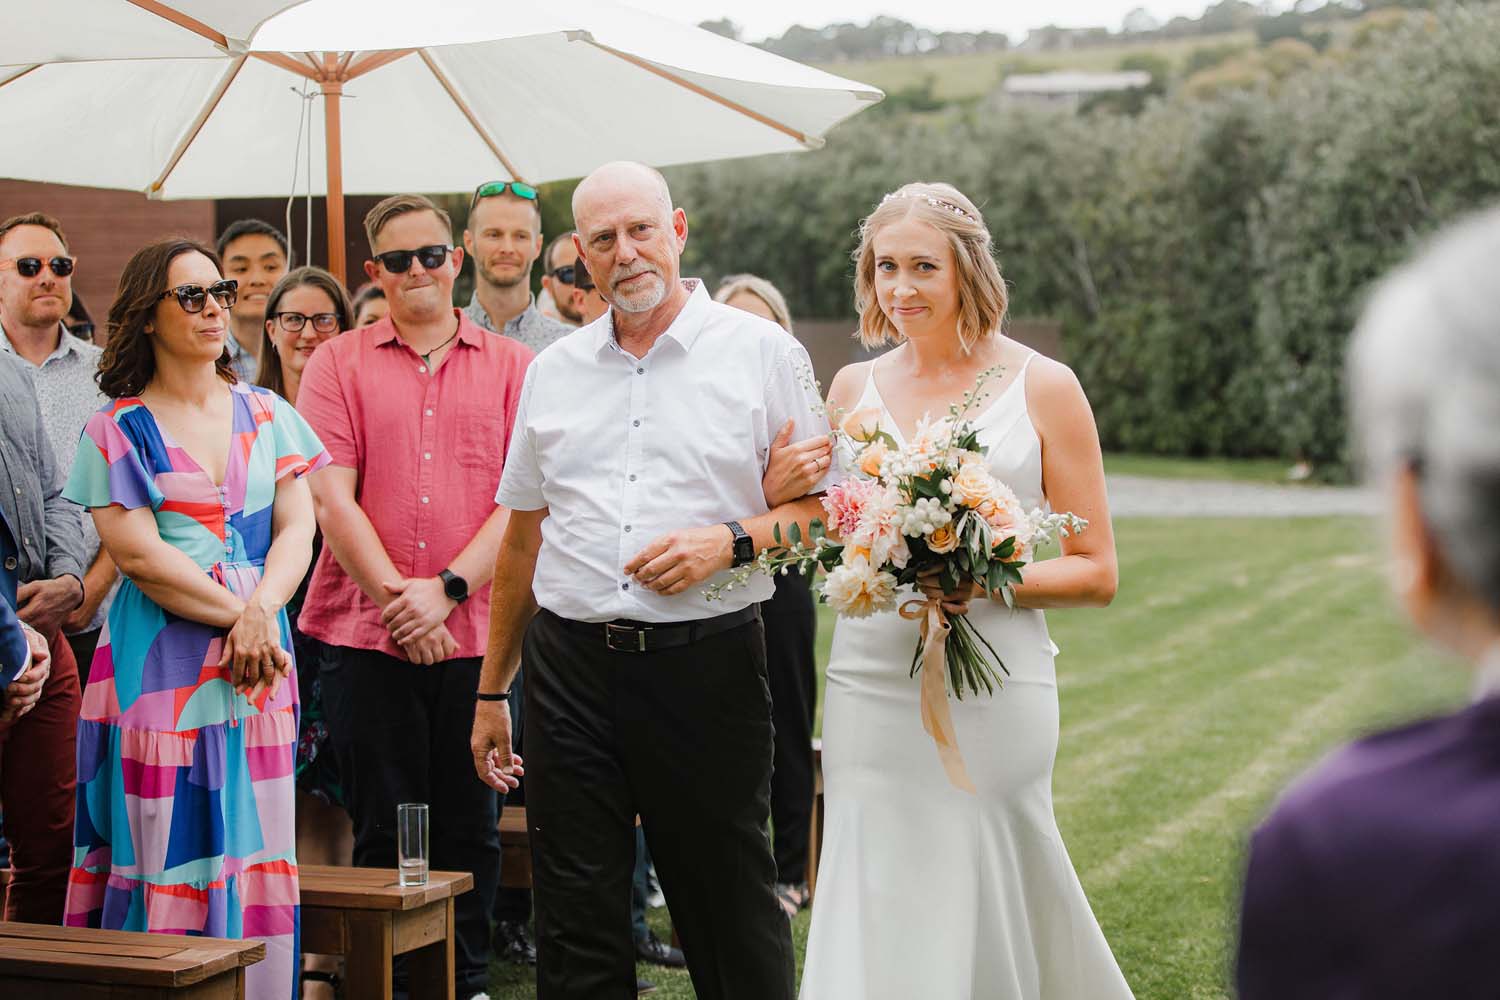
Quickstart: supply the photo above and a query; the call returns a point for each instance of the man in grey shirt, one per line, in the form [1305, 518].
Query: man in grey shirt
[503, 236]
[36, 792]
[63, 367]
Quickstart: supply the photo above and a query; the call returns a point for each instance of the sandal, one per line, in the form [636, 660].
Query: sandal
[792, 896]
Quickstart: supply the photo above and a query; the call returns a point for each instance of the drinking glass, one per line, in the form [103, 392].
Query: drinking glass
[411, 843]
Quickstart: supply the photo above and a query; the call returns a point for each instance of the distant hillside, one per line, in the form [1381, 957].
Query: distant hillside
[961, 77]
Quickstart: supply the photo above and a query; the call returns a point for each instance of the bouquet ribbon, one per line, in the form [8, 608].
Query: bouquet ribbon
[937, 718]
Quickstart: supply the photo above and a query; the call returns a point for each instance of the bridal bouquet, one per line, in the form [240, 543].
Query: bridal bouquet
[930, 506]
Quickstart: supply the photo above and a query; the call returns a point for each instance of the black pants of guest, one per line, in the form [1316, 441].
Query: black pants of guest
[683, 738]
[402, 730]
[514, 905]
[791, 629]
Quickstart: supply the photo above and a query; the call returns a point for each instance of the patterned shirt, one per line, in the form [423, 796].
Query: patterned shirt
[242, 361]
[531, 328]
[66, 389]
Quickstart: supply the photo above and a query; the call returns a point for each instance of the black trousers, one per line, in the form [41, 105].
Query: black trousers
[402, 731]
[681, 737]
[791, 628]
[514, 905]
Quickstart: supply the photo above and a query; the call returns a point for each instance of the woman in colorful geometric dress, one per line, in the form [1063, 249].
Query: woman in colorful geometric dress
[189, 725]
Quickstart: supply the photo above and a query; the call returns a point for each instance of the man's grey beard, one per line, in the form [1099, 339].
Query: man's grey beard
[641, 305]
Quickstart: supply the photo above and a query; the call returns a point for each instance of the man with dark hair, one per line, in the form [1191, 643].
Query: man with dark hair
[557, 277]
[415, 410]
[37, 787]
[35, 300]
[255, 254]
[504, 237]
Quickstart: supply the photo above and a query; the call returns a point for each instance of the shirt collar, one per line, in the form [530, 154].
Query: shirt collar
[66, 344]
[477, 314]
[384, 331]
[685, 326]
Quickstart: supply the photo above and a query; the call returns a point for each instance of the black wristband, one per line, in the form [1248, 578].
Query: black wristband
[502, 696]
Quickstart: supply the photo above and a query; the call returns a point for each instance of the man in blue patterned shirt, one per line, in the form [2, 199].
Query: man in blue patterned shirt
[503, 236]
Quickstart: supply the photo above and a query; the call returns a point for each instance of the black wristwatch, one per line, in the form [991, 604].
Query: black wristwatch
[455, 586]
[744, 545]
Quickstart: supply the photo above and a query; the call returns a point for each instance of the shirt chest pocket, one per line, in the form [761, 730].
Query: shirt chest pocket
[480, 442]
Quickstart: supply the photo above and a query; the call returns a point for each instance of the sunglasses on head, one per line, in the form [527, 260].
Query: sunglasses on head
[518, 188]
[30, 267]
[293, 322]
[399, 261]
[193, 298]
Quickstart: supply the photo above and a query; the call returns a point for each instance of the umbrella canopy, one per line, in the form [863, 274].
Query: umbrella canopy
[71, 30]
[464, 92]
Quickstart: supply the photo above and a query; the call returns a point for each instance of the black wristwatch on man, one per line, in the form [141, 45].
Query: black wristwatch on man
[744, 545]
[455, 586]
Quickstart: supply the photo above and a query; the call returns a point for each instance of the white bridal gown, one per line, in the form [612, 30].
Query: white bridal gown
[926, 892]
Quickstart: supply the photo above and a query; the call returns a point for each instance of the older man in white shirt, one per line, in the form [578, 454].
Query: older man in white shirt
[633, 479]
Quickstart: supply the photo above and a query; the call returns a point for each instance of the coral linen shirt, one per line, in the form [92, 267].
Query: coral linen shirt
[429, 449]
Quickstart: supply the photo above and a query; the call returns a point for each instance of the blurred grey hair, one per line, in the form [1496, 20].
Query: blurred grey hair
[1424, 372]
[762, 289]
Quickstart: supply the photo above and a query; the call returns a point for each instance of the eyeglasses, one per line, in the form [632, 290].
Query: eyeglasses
[399, 261]
[193, 298]
[518, 188]
[565, 273]
[293, 322]
[30, 267]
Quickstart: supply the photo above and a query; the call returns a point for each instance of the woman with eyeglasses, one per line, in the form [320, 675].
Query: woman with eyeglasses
[187, 737]
[307, 307]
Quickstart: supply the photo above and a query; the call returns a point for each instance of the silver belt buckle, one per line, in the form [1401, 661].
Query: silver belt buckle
[624, 632]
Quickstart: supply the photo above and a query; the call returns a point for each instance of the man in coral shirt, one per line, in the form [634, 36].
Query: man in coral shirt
[416, 411]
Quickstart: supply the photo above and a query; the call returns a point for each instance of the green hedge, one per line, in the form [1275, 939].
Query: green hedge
[1207, 257]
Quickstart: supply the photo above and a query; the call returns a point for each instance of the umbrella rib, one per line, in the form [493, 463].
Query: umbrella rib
[287, 63]
[16, 76]
[198, 123]
[469, 114]
[671, 77]
[372, 61]
[182, 20]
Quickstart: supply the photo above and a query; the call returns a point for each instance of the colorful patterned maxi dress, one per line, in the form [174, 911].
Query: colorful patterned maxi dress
[185, 787]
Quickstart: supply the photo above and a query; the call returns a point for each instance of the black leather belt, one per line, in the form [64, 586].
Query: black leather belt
[625, 636]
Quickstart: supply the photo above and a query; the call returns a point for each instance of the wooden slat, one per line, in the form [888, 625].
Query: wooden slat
[418, 928]
[375, 888]
[182, 969]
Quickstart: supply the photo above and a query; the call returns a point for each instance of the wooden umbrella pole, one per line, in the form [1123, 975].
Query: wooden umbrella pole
[333, 90]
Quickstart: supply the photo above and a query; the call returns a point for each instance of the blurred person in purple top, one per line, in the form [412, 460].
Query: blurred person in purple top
[1378, 874]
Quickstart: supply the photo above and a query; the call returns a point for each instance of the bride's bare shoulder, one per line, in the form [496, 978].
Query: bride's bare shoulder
[849, 384]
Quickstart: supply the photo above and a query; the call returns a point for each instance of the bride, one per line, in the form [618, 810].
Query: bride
[925, 890]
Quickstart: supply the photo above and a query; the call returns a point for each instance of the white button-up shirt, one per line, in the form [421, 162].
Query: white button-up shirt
[622, 450]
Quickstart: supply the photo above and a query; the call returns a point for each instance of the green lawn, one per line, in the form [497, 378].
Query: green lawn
[1237, 652]
[967, 76]
[1247, 470]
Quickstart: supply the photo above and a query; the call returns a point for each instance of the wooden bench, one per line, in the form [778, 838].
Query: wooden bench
[364, 915]
[515, 849]
[42, 962]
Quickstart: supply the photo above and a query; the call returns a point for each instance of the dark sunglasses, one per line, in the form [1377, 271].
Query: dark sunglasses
[399, 261]
[193, 298]
[518, 188]
[293, 322]
[30, 267]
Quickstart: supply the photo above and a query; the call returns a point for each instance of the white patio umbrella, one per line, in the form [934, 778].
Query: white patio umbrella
[73, 30]
[439, 95]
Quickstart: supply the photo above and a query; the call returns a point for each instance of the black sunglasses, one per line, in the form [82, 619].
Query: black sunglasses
[399, 261]
[293, 322]
[30, 267]
[193, 298]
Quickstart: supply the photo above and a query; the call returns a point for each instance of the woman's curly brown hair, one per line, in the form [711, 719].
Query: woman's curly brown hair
[129, 361]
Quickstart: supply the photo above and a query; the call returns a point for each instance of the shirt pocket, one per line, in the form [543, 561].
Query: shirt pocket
[481, 443]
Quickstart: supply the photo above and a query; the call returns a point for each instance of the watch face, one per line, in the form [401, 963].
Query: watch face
[455, 587]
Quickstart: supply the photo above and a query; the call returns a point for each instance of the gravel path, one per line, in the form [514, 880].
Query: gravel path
[1138, 496]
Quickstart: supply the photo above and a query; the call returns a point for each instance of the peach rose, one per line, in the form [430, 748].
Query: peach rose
[973, 485]
[870, 458]
[861, 425]
[943, 539]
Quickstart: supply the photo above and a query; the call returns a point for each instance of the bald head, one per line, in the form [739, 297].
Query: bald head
[617, 181]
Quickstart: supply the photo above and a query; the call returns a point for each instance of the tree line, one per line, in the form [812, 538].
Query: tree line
[1207, 256]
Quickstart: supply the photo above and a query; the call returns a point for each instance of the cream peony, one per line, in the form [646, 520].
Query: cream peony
[857, 589]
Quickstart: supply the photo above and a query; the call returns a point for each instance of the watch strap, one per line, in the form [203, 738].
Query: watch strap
[744, 545]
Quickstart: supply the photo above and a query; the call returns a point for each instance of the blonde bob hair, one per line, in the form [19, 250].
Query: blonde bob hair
[981, 289]
[762, 289]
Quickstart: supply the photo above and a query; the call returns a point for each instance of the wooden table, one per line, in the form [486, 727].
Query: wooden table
[41, 962]
[362, 914]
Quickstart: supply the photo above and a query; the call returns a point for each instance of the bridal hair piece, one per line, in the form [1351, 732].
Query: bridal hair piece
[981, 290]
[1424, 370]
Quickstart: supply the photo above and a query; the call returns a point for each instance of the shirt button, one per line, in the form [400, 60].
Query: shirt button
[18, 491]
[10, 563]
[635, 423]
[624, 586]
[428, 412]
[427, 456]
[640, 371]
[627, 529]
[422, 369]
[632, 477]
[424, 499]
[421, 545]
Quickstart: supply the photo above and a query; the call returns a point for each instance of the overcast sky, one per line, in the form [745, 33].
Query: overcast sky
[762, 18]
